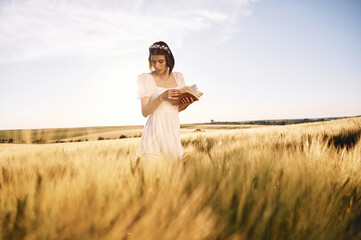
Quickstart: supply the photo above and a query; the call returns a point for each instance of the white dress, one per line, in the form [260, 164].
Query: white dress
[161, 133]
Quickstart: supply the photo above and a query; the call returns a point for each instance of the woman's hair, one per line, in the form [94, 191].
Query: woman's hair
[161, 48]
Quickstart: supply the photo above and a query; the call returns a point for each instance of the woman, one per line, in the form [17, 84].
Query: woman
[161, 133]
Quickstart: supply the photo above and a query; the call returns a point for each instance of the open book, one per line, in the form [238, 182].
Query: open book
[188, 92]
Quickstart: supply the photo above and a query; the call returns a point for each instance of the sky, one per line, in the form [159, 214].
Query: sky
[75, 63]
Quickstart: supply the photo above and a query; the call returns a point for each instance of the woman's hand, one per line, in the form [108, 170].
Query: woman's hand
[170, 94]
[185, 102]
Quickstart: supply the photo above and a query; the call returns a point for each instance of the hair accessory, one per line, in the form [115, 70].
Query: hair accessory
[160, 47]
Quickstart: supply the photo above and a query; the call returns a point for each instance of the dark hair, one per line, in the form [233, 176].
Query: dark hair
[161, 51]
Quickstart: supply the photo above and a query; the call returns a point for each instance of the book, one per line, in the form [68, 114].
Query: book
[188, 92]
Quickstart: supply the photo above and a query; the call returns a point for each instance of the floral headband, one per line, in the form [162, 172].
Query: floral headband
[160, 47]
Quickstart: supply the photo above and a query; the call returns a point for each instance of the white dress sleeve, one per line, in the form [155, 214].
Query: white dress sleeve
[180, 78]
[144, 86]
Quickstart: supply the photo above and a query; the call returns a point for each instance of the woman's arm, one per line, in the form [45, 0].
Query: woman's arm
[149, 106]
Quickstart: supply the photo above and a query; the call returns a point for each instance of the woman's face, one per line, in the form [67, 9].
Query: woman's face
[159, 63]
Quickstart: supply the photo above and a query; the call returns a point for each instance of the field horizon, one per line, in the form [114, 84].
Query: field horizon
[93, 133]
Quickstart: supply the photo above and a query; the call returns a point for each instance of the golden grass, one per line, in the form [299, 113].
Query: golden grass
[277, 182]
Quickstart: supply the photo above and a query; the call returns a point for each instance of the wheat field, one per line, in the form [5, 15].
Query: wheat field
[278, 182]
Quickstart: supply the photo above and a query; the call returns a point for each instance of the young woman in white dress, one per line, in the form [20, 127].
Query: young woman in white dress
[161, 133]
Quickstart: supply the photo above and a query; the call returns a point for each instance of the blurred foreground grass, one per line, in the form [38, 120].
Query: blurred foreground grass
[277, 182]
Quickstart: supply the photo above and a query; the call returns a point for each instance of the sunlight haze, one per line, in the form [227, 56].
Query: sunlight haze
[75, 63]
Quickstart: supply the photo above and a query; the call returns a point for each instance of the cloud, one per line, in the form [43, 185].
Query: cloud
[31, 29]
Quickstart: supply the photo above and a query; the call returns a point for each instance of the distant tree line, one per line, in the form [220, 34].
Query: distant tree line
[275, 122]
[6, 140]
[44, 141]
[120, 137]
